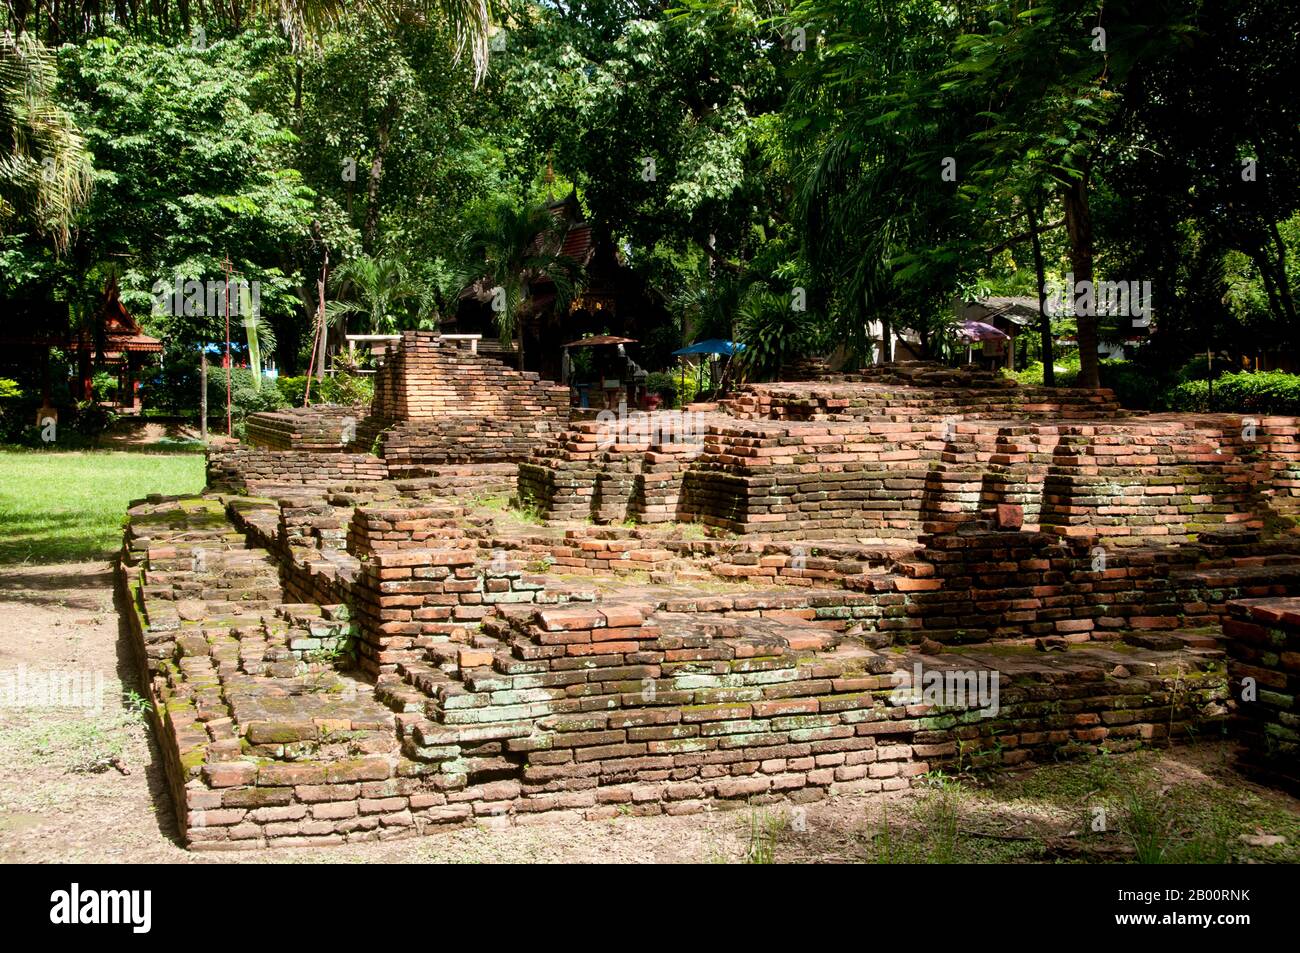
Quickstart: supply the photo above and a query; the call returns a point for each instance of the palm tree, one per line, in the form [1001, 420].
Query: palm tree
[520, 246]
[708, 303]
[382, 292]
[468, 20]
[45, 170]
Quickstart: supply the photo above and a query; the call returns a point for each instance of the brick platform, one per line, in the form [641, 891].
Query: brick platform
[436, 405]
[548, 708]
[327, 429]
[1169, 477]
[721, 605]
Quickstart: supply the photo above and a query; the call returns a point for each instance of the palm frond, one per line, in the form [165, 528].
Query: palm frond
[45, 172]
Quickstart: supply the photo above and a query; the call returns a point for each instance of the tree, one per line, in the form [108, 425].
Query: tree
[659, 120]
[44, 168]
[517, 246]
[888, 234]
[383, 293]
[1051, 78]
[304, 21]
[189, 170]
[1202, 198]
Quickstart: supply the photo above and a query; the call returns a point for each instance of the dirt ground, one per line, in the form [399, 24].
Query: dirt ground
[84, 785]
[134, 434]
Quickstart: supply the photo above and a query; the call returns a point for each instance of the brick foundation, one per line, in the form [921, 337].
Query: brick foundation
[1263, 642]
[344, 646]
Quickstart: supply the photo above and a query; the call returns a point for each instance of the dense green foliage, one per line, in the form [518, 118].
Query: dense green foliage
[1266, 392]
[799, 175]
[346, 389]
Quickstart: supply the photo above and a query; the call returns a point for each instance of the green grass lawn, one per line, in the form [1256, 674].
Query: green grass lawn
[69, 507]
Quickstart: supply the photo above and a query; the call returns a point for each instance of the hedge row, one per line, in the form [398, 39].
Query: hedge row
[1262, 392]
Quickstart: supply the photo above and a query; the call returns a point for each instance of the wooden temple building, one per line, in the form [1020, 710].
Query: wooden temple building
[114, 343]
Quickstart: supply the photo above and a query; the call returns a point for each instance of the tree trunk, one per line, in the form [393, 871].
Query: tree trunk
[1265, 265]
[520, 326]
[371, 229]
[1044, 320]
[1284, 286]
[324, 326]
[1078, 226]
[203, 393]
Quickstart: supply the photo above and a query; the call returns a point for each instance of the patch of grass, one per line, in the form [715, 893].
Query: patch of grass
[1161, 836]
[935, 829]
[89, 744]
[765, 831]
[530, 514]
[1189, 819]
[685, 531]
[70, 506]
[1067, 785]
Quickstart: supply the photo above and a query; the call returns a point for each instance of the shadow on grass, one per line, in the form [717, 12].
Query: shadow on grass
[54, 538]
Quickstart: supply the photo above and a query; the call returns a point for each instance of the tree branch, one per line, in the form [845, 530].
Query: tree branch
[1022, 237]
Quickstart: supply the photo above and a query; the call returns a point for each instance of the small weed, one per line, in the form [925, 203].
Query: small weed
[764, 831]
[1160, 835]
[528, 513]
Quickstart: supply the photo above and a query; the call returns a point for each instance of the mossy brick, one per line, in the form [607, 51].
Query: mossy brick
[359, 769]
[277, 774]
[732, 726]
[726, 712]
[280, 733]
[318, 793]
[228, 774]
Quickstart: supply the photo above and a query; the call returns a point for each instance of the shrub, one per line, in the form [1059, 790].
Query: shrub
[1198, 369]
[292, 389]
[173, 387]
[104, 386]
[339, 389]
[687, 389]
[1067, 372]
[1135, 386]
[348, 389]
[92, 419]
[1262, 392]
[245, 398]
[11, 396]
[664, 384]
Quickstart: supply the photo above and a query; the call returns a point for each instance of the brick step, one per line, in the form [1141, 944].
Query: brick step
[419, 742]
[424, 678]
[1202, 640]
[394, 692]
[169, 570]
[1284, 578]
[216, 608]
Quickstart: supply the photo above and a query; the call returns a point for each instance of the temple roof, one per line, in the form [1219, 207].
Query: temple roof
[121, 332]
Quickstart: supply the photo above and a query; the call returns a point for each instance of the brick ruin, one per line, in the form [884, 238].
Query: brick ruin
[351, 636]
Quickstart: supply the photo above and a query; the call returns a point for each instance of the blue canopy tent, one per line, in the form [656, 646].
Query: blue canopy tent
[713, 347]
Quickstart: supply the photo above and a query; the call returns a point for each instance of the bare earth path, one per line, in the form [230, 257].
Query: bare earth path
[84, 784]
